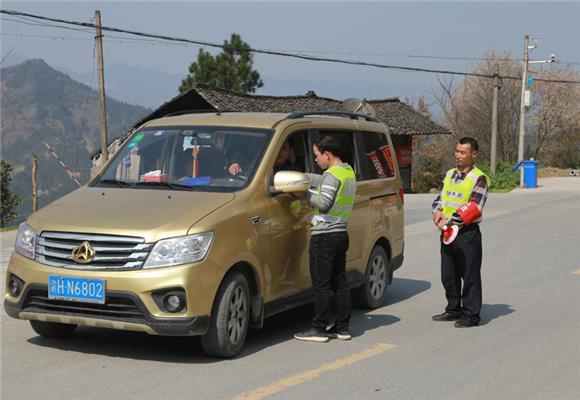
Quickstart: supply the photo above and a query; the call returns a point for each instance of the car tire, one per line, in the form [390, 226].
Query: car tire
[373, 292]
[230, 318]
[52, 329]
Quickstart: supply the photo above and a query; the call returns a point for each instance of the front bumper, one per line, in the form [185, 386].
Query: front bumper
[129, 303]
[123, 311]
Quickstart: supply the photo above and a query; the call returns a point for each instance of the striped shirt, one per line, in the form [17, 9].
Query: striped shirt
[478, 195]
[329, 186]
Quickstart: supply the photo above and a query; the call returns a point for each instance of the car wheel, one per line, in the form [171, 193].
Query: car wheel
[52, 329]
[230, 318]
[374, 290]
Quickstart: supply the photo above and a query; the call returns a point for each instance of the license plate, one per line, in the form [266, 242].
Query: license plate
[86, 290]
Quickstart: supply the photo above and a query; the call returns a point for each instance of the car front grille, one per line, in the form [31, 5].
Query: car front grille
[111, 252]
[117, 306]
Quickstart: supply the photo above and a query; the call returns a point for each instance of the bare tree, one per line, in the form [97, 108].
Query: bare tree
[552, 123]
[467, 106]
[554, 117]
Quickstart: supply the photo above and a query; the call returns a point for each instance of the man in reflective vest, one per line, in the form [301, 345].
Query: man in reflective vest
[462, 196]
[333, 201]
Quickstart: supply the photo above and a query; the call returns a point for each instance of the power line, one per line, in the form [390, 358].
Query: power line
[109, 38]
[44, 36]
[34, 23]
[159, 42]
[276, 53]
[430, 57]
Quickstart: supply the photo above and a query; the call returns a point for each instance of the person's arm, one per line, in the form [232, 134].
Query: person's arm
[315, 179]
[479, 193]
[438, 208]
[324, 200]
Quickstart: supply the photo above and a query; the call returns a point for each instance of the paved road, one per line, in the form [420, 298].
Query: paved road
[528, 346]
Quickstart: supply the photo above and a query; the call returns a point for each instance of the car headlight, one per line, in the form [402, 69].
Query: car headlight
[25, 241]
[179, 250]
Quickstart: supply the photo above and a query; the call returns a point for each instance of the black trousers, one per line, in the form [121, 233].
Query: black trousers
[461, 272]
[328, 274]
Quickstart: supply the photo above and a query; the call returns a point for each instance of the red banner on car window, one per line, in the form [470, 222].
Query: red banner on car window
[386, 150]
[377, 165]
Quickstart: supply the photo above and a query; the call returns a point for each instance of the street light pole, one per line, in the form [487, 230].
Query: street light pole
[523, 109]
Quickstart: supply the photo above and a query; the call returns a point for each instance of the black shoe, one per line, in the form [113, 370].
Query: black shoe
[465, 323]
[447, 316]
[341, 334]
[312, 335]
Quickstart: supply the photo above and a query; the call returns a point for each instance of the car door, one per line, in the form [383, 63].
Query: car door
[288, 228]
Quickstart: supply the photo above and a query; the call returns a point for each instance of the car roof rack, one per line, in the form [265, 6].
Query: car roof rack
[302, 114]
[195, 111]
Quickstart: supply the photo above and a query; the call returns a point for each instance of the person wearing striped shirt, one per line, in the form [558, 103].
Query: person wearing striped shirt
[462, 196]
[332, 200]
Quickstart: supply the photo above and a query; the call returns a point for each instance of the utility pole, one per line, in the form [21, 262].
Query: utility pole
[523, 109]
[34, 191]
[496, 87]
[102, 104]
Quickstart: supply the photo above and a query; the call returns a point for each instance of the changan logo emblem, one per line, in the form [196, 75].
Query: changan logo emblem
[84, 253]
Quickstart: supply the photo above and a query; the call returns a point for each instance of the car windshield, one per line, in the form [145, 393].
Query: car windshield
[187, 158]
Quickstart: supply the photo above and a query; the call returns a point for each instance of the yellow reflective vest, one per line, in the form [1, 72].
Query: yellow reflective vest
[456, 195]
[344, 201]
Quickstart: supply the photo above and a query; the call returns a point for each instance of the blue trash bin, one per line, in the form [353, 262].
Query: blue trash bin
[530, 172]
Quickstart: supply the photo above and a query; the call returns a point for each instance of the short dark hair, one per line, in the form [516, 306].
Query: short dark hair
[330, 144]
[471, 141]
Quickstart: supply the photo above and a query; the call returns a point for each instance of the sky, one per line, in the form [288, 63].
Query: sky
[379, 32]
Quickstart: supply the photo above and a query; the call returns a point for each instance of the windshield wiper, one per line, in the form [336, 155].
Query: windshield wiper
[174, 186]
[122, 184]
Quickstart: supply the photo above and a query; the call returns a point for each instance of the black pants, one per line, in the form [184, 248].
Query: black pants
[461, 261]
[328, 274]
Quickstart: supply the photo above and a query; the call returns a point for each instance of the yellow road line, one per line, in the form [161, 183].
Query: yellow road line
[294, 380]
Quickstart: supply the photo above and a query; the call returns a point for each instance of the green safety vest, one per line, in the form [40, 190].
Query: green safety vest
[344, 201]
[456, 195]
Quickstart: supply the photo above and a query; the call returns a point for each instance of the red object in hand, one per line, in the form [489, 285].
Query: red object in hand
[469, 213]
[449, 233]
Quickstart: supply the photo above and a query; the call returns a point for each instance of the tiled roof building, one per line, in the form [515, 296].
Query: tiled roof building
[398, 116]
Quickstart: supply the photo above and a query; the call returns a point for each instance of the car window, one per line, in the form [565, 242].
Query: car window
[346, 140]
[187, 158]
[379, 155]
[293, 154]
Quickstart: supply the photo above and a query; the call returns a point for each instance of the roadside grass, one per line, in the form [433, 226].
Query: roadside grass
[9, 228]
[504, 180]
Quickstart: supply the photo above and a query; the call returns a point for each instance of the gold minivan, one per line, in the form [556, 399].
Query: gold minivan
[192, 229]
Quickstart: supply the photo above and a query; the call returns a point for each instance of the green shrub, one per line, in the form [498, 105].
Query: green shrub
[504, 180]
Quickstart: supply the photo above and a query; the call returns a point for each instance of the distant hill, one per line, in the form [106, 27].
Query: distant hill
[150, 87]
[40, 104]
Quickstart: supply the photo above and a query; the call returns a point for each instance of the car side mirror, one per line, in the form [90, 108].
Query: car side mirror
[289, 181]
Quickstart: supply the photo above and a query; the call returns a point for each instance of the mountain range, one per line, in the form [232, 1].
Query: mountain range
[150, 87]
[41, 104]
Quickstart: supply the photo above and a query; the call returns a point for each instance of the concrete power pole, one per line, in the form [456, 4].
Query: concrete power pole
[102, 103]
[523, 108]
[34, 190]
[496, 87]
